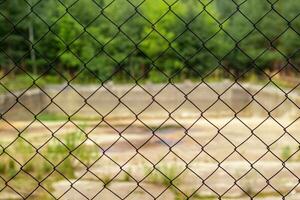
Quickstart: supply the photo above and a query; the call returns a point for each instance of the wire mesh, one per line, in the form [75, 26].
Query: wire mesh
[78, 129]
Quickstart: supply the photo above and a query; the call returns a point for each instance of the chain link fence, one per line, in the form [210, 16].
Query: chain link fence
[166, 99]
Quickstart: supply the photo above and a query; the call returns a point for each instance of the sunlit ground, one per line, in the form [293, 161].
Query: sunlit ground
[180, 156]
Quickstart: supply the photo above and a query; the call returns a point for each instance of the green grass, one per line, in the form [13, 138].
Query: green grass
[48, 117]
[165, 175]
[127, 177]
[23, 82]
[286, 153]
[51, 117]
[58, 155]
[106, 179]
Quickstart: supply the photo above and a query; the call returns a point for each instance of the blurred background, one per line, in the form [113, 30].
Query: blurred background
[144, 99]
[125, 41]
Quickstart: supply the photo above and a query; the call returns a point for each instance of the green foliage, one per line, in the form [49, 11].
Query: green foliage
[87, 154]
[124, 43]
[127, 176]
[58, 156]
[106, 179]
[67, 168]
[51, 117]
[46, 167]
[3, 168]
[12, 168]
[58, 153]
[73, 140]
[286, 153]
[170, 174]
[164, 175]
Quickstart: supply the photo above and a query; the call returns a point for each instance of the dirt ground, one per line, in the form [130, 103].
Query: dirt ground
[203, 159]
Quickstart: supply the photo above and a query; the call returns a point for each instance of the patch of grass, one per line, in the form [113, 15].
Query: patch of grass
[73, 140]
[29, 167]
[179, 195]
[87, 154]
[165, 127]
[286, 153]
[170, 173]
[67, 168]
[106, 179]
[127, 177]
[152, 175]
[59, 153]
[3, 168]
[46, 167]
[249, 185]
[12, 168]
[14, 83]
[253, 78]
[8, 167]
[21, 82]
[165, 175]
[283, 83]
[60, 117]
[59, 150]
[51, 117]
[56, 152]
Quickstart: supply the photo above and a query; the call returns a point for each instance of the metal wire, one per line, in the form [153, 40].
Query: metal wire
[22, 167]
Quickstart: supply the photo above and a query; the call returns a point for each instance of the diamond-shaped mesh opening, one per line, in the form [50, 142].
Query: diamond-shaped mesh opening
[135, 99]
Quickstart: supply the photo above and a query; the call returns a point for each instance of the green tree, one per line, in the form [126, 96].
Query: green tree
[117, 40]
[253, 32]
[202, 44]
[289, 41]
[12, 42]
